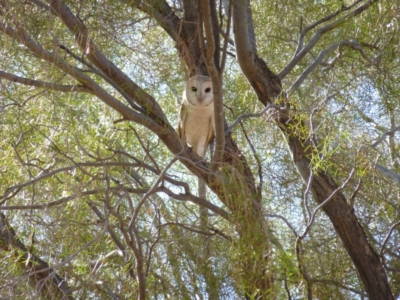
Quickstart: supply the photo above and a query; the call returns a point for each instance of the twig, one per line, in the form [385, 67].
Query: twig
[299, 54]
[249, 115]
[311, 220]
[388, 236]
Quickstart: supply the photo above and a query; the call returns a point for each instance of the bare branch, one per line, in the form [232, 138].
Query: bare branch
[387, 237]
[311, 220]
[105, 77]
[323, 20]
[314, 40]
[311, 67]
[384, 135]
[196, 200]
[45, 85]
[285, 221]
[81, 36]
[388, 173]
[22, 36]
[249, 115]
[352, 44]
[151, 190]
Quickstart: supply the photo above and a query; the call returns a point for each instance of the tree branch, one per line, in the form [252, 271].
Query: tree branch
[352, 44]
[210, 53]
[388, 173]
[323, 20]
[387, 237]
[314, 40]
[250, 115]
[45, 85]
[82, 38]
[22, 36]
[384, 135]
[41, 277]
[264, 82]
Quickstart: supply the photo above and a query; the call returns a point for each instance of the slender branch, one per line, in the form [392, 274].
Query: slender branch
[48, 174]
[388, 173]
[284, 220]
[311, 220]
[250, 115]
[340, 285]
[368, 119]
[387, 237]
[49, 204]
[197, 200]
[302, 267]
[151, 190]
[314, 40]
[226, 36]
[323, 20]
[115, 238]
[105, 77]
[312, 67]
[352, 44]
[384, 135]
[354, 194]
[43, 84]
[207, 233]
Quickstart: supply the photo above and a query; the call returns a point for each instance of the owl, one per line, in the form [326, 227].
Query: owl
[196, 117]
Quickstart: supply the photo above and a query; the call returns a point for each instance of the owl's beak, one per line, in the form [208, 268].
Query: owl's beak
[200, 97]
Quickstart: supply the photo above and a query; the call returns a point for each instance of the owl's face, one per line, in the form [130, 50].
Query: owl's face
[199, 90]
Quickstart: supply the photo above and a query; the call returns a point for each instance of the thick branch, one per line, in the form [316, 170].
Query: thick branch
[22, 36]
[106, 66]
[265, 83]
[45, 280]
[213, 68]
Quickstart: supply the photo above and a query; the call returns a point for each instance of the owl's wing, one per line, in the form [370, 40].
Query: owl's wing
[182, 121]
[210, 133]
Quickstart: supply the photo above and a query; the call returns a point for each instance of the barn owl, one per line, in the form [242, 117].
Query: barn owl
[196, 119]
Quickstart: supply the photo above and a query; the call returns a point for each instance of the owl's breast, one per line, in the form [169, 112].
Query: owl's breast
[199, 119]
[199, 127]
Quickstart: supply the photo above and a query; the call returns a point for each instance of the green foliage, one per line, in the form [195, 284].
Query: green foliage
[74, 149]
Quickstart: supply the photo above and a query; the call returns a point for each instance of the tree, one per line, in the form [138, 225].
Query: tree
[99, 192]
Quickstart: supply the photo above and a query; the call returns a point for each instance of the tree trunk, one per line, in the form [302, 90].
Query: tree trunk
[268, 87]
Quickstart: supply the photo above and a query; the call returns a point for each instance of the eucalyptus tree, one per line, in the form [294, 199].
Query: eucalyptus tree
[98, 191]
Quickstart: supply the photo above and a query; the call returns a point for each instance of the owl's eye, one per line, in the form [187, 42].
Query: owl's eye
[194, 89]
[208, 90]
